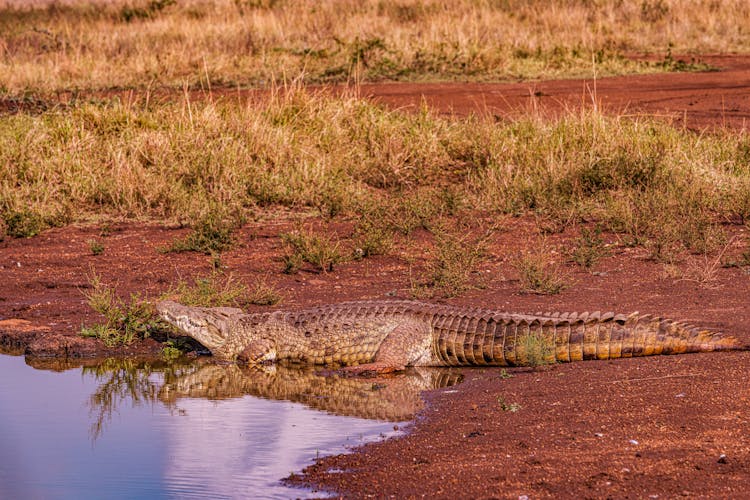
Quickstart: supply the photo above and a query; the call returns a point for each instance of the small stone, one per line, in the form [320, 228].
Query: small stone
[633, 442]
[722, 459]
[523, 497]
[680, 395]
[598, 434]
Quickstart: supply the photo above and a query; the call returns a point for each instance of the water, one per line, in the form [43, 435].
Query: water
[128, 430]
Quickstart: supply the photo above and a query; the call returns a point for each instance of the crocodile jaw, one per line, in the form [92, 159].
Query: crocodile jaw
[195, 322]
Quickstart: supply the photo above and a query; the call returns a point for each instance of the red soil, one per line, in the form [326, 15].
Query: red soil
[657, 427]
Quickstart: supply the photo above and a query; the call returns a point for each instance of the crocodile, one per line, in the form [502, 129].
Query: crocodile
[384, 336]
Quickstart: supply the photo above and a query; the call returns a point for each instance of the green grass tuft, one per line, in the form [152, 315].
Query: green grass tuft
[215, 290]
[307, 246]
[538, 273]
[124, 321]
[212, 233]
[454, 261]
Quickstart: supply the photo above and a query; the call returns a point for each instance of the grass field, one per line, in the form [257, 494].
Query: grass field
[74, 46]
[213, 164]
[345, 156]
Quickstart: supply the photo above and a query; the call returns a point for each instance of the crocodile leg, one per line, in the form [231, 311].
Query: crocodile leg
[404, 346]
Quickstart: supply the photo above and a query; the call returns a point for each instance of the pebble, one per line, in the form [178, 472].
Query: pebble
[722, 459]
[633, 442]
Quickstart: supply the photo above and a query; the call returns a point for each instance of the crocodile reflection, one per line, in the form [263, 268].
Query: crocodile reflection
[396, 398]
[392, 398]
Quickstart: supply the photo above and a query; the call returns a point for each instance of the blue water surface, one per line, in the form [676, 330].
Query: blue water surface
[57, 443]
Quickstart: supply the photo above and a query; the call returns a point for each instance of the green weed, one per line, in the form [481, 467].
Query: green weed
[215, 290]
[452, 268]
[417, 210]
[212, 233]
[170, 352]
[301, 246]
[505, 406]
[23, 223]
[538, 273]
[373, 234]
[124, 321]
[263, 294]
[536, 350]
[588, 248]
[95, 247]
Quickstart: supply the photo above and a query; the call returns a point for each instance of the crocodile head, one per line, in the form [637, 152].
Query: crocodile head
[209, 326]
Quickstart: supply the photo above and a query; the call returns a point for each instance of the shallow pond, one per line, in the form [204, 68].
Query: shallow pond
[121, 429]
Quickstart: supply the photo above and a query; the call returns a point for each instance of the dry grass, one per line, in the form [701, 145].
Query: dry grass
[538, 271]
[349, 157]
[204, 43]
[215, 290]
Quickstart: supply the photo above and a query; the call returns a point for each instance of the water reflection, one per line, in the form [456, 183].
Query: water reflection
[395, 398]
[184, 429]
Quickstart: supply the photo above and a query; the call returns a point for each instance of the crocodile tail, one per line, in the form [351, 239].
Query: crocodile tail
[609, 335]
[520, 340]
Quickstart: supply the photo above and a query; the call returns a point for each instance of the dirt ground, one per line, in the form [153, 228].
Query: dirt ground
[659, 427]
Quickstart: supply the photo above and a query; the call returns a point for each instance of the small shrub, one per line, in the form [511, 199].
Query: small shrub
[107, 334]
[105, 230]
[212, 233]
[96, 247]
[293, 262]
[504, 374]
[417, 210]
[538, 273]
[453, 264]
[170, 352]
[23, 224]
[133, 13]
[331, 203]
[505, 406]
[537, 351]
[263, 294]
[373, 235]
[215, 290]
[124, 321]
[588, 248]
[306, 246]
